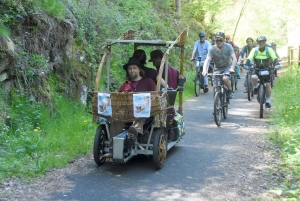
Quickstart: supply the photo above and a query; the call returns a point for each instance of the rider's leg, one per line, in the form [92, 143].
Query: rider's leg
[268, 92]
[227, 82]
[237, 71]
[138, 124]
[268, 95]
[254, 81]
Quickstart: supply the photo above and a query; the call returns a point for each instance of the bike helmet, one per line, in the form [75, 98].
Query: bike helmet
[202, 34]
[220, 34]
[261, 38]
[236, 47]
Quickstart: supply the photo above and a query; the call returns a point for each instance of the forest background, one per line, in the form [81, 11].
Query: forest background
[50, 51]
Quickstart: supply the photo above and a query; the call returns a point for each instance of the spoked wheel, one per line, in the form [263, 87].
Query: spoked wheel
[197, 84]
[99, 144]
[225, 106]
[261, 100]
[249, 87]
[159, 149]
[217, 109]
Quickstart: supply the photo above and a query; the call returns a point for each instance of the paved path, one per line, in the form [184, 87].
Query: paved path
[191, 168]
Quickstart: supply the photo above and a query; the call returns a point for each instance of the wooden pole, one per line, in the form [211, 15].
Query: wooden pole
[289, 55]
[181, 73]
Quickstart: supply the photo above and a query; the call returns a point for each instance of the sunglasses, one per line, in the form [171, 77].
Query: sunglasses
[261, 41]
[219, 41]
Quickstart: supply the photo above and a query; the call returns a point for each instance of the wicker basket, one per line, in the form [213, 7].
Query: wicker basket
[122, 105]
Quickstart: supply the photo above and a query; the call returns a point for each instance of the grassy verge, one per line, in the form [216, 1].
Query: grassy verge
[286, 131]
[36, 139]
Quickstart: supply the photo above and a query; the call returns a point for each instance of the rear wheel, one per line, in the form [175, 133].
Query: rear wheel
[249, 87]
[217, 109]
[197, 84]
[261, 100]
[99, 145]
[159, 149]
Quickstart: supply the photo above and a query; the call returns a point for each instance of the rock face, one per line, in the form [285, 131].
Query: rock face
[6, 61]
[41, 46]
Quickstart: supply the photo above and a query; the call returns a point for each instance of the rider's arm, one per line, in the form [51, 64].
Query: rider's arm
[250, 57]
[206, 64]
[233, 61]
[193, 54]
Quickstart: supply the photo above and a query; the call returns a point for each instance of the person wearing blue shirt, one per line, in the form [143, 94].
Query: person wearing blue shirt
[201, 47]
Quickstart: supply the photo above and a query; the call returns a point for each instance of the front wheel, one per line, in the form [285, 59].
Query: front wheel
[249, 87]
[225, 106]
[159, 149]
[261, 100]
[197, 84]
[99, 145]
[217, 109]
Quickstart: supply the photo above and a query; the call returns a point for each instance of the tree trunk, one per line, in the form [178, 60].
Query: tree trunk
[178, 7]
[241, 13]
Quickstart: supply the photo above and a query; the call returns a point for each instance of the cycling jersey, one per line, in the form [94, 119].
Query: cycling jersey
[262, 57]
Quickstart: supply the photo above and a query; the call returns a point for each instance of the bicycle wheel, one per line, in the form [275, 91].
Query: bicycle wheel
[261, 100]
[249, 87]
[217, 109]
[225, 105]
[232, 82]
[197, 83]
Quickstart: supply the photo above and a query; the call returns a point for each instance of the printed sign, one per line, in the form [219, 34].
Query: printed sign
[141, 105]
[104, 104]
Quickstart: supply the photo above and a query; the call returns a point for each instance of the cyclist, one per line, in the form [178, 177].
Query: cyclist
[261, 55]
[201, 47]
[224, 58]
[245, 53]
[213, 40]
[237, 67]
[228, 40]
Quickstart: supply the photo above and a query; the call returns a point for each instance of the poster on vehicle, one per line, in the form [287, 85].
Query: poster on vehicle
[104, 104]
[141, 105]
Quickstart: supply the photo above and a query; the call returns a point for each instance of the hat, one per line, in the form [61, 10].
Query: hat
[156, 53]
[227, 36]
[132, 61]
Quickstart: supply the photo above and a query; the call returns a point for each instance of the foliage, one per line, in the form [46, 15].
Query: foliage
[4, 31]
[37, 139]
[286, 131]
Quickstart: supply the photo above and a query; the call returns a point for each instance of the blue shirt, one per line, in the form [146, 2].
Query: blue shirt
[202, 49]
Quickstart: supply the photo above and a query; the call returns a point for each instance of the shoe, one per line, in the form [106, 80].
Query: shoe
[255, 91]
[268, 105]
[132, 130]
[238, 77]
[205, 89]
[230, 94]
[246, 90]
[109, 154]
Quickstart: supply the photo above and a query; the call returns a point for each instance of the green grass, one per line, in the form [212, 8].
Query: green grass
[37, 140]
[286, 131]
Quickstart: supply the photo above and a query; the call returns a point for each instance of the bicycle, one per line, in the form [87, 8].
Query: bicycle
[250, 87]
[221, 100]
[199, 78]
[264, 76]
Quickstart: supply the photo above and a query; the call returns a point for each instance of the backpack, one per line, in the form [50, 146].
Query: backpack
[267, 51]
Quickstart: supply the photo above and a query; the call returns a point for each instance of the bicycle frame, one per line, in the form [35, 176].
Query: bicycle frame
[264, 76]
